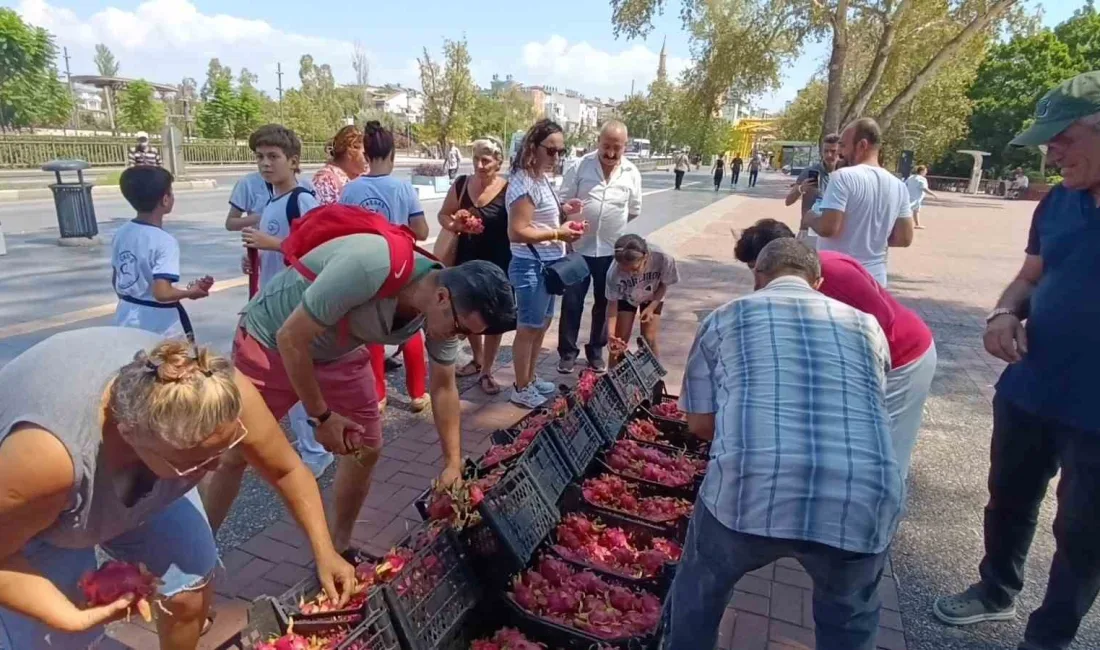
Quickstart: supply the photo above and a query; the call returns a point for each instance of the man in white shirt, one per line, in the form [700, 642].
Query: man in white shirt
[454, 158]
[865, 208]
[611, 188]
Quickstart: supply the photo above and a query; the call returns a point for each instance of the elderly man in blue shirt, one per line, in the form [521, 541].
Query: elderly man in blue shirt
[1044, 412]
[789, 384]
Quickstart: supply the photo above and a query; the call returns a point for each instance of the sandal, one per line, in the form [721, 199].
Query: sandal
[468, 370]
[488, 385]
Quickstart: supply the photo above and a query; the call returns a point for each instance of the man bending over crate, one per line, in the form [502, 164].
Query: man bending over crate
[358, 281]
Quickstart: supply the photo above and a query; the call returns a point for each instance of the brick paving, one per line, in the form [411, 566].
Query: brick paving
[944, 276]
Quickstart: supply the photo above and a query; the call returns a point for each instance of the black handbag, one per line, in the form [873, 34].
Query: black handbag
[565, 272]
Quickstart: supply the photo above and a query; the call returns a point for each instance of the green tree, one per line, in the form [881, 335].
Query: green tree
[1081, 34]
[215, 72]
[218, 112]
[500, 114]
[139, 109]
[30, 93]
[637, 114]
[801, 119]
[105, 62]
[449, 94]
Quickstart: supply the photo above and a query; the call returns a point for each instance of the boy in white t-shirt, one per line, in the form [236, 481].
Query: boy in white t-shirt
[917, 185]
[278, 150]
[145, 260]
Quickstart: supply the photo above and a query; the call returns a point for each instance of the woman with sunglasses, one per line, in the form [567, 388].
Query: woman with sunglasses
[103, 448]
[538, 238]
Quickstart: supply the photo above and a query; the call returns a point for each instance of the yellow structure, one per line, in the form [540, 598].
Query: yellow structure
[748, 135]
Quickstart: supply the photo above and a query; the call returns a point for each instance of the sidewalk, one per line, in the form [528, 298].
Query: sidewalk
[771, 608]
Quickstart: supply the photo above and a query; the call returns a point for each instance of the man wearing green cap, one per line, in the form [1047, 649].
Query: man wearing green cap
[1045, 414]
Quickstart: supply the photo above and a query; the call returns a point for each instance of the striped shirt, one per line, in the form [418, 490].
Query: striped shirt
[802, 446]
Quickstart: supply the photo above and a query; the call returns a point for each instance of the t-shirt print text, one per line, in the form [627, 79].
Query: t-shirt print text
[376, 204]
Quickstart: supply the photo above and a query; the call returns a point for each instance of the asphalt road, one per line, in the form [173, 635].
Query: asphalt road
[45, 289]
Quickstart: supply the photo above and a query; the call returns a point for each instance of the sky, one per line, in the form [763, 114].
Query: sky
[568, 44]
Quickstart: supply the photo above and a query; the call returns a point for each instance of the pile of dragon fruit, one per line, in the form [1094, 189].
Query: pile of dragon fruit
[586, 385]
[468, 222]
[650, 464]
[670, 410]
[458, 504]
[588, 541]
[614, 493]
[507, 638]
[583, 600]
[326, 641]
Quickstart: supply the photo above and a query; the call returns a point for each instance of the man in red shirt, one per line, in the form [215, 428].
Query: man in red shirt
[912, 350]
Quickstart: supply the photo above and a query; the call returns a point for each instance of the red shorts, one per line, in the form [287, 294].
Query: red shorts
[347, 383]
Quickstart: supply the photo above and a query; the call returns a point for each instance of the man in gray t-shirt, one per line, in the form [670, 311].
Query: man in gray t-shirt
[813, 180]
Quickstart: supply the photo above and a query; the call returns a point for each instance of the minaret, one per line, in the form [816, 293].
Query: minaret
[662, 71]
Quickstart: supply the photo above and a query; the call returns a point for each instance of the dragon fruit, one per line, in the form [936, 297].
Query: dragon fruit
[507, 638]
[632, 459]
[614, 493]
[116, 579]
[582, 540]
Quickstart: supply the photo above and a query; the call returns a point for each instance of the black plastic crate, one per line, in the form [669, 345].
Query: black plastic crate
[674, 436]
[578, 439]
[688, 492]
[647, 366]
[628, 382]
[307, 624]
[676, 529]
[519, 516]
[266, 621]
[545, 462]
[607, 410]
[263, 624]
[435, 591]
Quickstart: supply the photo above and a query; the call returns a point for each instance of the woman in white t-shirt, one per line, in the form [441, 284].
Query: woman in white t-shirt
[637, 282]
[538, 238]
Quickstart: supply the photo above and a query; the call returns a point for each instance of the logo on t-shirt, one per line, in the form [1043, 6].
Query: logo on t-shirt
[272, 227]
[126, 273]
[377, 204]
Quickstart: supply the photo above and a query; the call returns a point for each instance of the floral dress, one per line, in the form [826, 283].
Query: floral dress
[328, 183]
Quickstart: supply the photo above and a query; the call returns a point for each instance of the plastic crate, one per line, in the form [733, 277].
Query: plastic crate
[307, 624]
[520, 518]
[607, 410]
[676, 529]
[578, 439]
[688, 492]
[545, 462]
[561, 637]
[629, 384]
[674, 436]
[435, 591]
[266, 621]
[647, 366]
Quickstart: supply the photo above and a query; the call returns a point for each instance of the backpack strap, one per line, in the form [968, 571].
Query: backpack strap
[293, 209]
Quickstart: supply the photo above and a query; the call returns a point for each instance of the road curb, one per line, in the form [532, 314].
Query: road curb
[8, 196]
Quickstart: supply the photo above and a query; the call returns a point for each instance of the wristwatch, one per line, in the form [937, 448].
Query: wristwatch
[315, 422]
[1000, 311]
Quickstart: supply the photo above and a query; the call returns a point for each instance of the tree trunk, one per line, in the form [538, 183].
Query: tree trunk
[835, 93]
[946, 53]
[878, 66]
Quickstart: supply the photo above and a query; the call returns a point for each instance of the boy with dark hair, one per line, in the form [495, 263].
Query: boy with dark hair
[252, 193]
[145, 260]
[278, 151]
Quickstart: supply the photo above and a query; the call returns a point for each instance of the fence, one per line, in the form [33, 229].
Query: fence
[989, 186]
[21, 152]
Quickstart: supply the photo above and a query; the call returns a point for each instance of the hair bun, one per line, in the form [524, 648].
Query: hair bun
[173, 361]
[372, 125]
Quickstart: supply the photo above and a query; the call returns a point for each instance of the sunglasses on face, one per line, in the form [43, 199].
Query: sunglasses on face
[553, 151]
[205, 463]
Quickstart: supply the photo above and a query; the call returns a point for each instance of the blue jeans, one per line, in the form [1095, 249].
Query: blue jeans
[846, 603]
[534, 305]
[176, 544]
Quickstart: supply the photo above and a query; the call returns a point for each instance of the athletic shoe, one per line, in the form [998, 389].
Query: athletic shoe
[544, 387]
[565, 366]
[597, 365]
[527, 397]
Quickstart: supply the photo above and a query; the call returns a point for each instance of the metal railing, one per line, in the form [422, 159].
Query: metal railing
[30, 152]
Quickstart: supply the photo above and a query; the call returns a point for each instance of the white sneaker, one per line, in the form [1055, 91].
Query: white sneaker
[544, 387]
[527, 398]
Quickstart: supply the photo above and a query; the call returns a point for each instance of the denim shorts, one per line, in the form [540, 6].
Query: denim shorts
[176, 544]
[534, 306]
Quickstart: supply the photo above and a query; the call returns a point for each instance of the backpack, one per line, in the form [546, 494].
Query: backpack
[328, 222]
[293, 210]
[293, 213]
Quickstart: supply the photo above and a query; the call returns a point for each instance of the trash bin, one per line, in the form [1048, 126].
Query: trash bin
[75, 212]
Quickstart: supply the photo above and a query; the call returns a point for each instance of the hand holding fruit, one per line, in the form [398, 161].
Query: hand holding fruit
[571, 231]
[466, 222]
[617, 345]
[337, 577]
[572, 207]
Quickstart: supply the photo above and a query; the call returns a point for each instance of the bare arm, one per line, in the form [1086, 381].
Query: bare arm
[448, 209]
[165, 291]
[1005, 336]
[294, 340]
[701, 425]
[901, 236]
[793, 195]
[36, 476]
[1018, 292]
[828, 224]
[522, 230]
[445, 411]
[237, 220]
[419, 226]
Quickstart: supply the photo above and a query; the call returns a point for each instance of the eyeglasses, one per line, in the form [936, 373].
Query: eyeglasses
[458, 327]
[206, 463]
[553, 151]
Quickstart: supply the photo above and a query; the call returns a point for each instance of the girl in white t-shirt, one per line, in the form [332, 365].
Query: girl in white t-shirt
[637, 282]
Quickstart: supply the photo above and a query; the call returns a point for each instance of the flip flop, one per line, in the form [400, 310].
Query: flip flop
[468, 370]
[488, 385]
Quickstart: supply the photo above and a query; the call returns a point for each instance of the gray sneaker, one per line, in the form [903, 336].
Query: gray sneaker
[968, 608]
[597, 365]
[565, 366]
[527, 397]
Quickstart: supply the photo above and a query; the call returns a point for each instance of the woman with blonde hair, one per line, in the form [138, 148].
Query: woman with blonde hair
[346, 162]
[104, 435]
[479, 195]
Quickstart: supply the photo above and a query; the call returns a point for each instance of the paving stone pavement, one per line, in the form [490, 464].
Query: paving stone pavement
[951, 276]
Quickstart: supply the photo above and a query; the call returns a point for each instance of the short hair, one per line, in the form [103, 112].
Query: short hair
[786, 256]
[346, 139]
[921, 169]
[630, 248]
[832, 138]
[614, 125]
[488, 146]
[754, 238]
[377, 140]
[480, 286]
[866, 128]
[276, 135]
[538, 132]
[145, 186]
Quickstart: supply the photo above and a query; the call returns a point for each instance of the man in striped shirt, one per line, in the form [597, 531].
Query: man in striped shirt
[789, 384]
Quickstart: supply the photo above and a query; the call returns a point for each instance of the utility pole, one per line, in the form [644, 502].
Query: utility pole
[279, 72]
[72, 95]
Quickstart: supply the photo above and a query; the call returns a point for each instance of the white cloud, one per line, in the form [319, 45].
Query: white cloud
[588, 69]
[166, 40]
